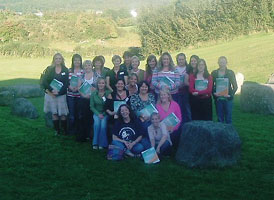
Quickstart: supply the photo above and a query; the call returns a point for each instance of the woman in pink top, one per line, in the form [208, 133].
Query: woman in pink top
[165, 107]
[200, 87]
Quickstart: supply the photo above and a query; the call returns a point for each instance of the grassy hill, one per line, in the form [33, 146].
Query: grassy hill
[35, 164]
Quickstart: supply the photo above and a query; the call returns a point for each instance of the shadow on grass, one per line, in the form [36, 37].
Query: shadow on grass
[17, 81]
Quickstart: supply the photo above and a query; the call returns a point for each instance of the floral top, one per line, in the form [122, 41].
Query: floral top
[137, 104]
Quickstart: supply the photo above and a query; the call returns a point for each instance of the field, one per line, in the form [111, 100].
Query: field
[35, 164]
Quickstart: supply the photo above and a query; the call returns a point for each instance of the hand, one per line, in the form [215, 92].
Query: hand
[227, 96]
[170, 129]
[216, 94]
[130, 145]
[54, 92]
[195, 93]
[158, 150]
[101, 116]
[116, 116]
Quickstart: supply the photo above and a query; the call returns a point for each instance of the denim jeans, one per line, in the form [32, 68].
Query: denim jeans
[185, 107]
[73, 116]
[136, 149]
[100, 131]
[224, 110]
[165, 149]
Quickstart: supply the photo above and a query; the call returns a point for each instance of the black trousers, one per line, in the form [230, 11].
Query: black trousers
[201, 108]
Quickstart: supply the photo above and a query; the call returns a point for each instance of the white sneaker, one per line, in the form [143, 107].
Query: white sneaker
[101, 147]
[94, 147]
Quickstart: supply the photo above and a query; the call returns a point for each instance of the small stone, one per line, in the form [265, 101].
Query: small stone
[24, 108]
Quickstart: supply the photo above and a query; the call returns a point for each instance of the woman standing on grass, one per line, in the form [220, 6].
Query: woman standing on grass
[127, 132]
[73, 95]
[224, 102]
[97, 105]
[158, 135]
[182, 68]
[86, 120]
[116, 73]
[151, 67]
[55, 100]
[200, 87]
[135, 63]
[166, 76]
[165, 107]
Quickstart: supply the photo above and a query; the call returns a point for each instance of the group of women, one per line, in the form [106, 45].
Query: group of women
[170, 88]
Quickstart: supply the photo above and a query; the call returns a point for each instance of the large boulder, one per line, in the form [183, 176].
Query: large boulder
[208, 144]
[240, 80]
[6, 98]
[24, 108]
[24, 90]
[258, 98]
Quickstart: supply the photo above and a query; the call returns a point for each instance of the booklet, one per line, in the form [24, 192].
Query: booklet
[171, 120]
[167, 81]
[150, 156]
[201, 85]
[148, 110]
[74, 81]
[56, 85]
[85, 88]
[117, 104]
[222, 86]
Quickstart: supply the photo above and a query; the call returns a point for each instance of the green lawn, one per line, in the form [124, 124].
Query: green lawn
[35, 164]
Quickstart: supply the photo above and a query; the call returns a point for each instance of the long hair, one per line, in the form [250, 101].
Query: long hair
[98, 80]
[206, 73]
[191, 68]
[171, 63]
[131, 114]
[72, 61]
[53, 60]
[181, 54]
[148, 68]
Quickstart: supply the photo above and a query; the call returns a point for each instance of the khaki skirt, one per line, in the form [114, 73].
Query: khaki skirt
[56, 105]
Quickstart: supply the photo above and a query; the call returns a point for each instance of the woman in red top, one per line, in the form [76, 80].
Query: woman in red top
[200, 87]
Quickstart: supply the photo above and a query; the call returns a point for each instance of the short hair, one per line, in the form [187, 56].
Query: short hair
[140, 85]
[96, 59]
[72, 61]
[87, 62]
[154, 114]
[127, 54]
[133, 74]
[116, 57]
[222, 57]
[135, 57]
[160, 63]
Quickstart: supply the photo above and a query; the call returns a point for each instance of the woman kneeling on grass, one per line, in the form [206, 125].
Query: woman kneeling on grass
[127, 132]
[158, 135]
[55, 99]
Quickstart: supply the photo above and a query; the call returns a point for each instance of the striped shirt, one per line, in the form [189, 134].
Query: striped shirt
[157, 82]
[79, 75]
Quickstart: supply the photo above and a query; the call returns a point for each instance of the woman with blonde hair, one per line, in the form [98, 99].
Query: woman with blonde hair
[55, 98]
[135, 63]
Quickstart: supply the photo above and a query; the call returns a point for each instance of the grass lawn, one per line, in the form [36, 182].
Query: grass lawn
[35, 164]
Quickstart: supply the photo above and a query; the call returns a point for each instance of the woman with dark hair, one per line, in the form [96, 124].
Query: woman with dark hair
[55, 100]
[135, 62]
[182, 68]
[97, 105]
[99, 70]
[192, 67]
[128, 132]
[132, 86]
[73, 96]
[166, 76]
[200, 87]
[126, 66]
[151, 66]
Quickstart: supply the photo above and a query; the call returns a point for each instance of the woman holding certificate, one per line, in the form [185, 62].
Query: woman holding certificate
[86, 85]
[224, 88]
[170, 114]
[55, 84]
[200, 87]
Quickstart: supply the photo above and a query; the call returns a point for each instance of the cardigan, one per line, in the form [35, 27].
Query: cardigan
[203, 93]
[97, 103]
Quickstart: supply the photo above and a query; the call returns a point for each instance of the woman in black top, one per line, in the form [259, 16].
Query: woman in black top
[55, 84]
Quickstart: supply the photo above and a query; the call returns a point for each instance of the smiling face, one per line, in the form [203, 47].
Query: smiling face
[133, 80]
[127, 60]
[152, 63]
[165, 61]
[101, 84]
[58, 59]
[135, 64]
[124, 112]
[222, 63]
[88, 67]
[193, 62]
[181, 61]
[164, 97]
[120, 85]
[117, 62]
[77, 62]
[155, 120]
[98, 64]
[144, 89]
[201, 67]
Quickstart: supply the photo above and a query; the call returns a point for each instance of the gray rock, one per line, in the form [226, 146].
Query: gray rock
[6, 98]
[48, 119]
[258, 98]
[24, 108]
[24, 90]
[208, 144]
